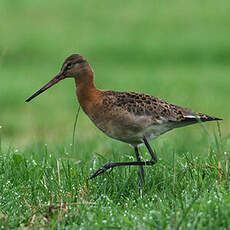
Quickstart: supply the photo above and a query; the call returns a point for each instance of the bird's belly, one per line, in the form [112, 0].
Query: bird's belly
[156, 130]
[126, 133]
[133, 137]
[133, 132]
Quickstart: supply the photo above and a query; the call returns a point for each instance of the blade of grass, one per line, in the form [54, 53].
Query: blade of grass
[74, 128]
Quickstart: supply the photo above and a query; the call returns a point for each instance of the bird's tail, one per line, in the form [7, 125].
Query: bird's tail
[202, 118]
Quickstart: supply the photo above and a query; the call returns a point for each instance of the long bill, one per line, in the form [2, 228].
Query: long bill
[52, 82]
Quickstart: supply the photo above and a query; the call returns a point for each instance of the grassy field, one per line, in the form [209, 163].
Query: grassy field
[176, 50]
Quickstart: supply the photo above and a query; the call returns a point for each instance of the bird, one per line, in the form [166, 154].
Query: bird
[131, 117]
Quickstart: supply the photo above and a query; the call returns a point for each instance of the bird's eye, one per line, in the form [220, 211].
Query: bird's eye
[69, 65]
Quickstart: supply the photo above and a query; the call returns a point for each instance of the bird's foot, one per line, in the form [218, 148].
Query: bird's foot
[101, 170]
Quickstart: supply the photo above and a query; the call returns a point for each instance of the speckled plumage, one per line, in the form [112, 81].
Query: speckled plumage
[128, 116]
[146, 105]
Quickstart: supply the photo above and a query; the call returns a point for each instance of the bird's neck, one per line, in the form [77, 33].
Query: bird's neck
[86, 91]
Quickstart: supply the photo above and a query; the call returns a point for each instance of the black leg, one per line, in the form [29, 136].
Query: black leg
[154, 158]
[111, 165]
[142, 173]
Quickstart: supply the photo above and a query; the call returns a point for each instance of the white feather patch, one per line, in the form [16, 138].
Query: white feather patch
[191, 116]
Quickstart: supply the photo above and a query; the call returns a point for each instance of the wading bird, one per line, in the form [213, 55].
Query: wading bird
[131, 117]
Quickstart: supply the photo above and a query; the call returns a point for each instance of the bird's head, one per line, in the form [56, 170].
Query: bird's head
[75, 66]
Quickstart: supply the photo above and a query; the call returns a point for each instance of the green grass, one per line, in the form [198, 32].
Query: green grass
[176, 50]
[45, 187]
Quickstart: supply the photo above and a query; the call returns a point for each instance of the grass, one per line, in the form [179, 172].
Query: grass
[178, 51]
[43, 187]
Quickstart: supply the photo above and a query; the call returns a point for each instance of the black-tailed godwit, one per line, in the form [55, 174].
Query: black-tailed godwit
[130, 117]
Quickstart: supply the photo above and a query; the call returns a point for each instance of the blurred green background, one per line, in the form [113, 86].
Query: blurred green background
[176, 50]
